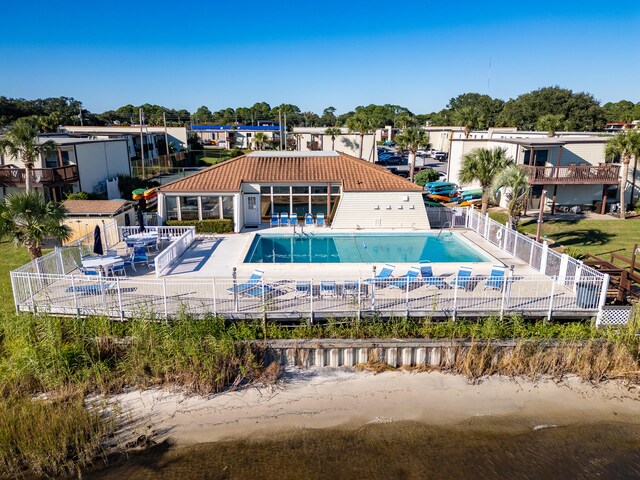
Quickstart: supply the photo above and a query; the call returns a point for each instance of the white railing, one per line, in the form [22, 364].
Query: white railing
[164, 233]
[128, 297]
[169, 255]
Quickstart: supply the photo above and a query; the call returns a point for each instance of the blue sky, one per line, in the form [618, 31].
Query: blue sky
[316, 54]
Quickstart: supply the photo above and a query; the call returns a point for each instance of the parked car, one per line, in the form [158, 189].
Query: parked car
[390, 144]
[400, 173]
[426, 152]
[442, 156]
[394, 160]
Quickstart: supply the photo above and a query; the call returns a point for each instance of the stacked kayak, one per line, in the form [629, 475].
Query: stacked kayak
[150, 197]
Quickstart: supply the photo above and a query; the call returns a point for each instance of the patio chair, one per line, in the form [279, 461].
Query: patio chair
[284, 219]
[328, 288]
[275, 220]
[496, 277]
[308, 219]
[253, 281]
[412, 278]
[383, 277]
[120, 268]
[350, 288]
[293, 220]
[320, 220]
[303, 288]
[426, 273]
[462, 278]
[139, 255]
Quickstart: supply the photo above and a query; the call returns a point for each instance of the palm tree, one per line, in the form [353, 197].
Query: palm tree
[467, 117]
[363, 124]
[550, 123]
[514, 183]
[21, 142]
[412, 139]
[625, 145]
[333, 132]
[260, 139]
[28, 218]
[483, 165]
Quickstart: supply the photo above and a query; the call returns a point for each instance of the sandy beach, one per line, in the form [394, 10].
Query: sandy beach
[324, 398]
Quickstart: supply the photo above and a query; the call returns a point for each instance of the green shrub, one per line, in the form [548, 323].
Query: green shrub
[425, 176]
[214, 225]
[575, 252]
[76, 196]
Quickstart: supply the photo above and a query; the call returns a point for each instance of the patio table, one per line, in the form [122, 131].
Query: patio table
[148, 238]
[101, 263]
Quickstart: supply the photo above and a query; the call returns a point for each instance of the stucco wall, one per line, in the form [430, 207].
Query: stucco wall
[371, 210]
[101, 160]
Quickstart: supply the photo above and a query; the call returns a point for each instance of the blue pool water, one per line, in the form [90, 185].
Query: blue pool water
[361, 248]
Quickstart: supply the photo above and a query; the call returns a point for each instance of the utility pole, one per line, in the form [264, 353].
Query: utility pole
[285, 130]
[166, 137]
[280, 127]
[141, 143]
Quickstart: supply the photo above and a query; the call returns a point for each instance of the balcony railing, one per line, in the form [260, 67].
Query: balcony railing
[573, 174]
[43, 177]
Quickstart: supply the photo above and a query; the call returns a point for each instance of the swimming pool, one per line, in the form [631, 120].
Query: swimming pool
[361, 248]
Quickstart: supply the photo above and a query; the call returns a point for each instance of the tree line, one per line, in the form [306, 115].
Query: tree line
[549, 108]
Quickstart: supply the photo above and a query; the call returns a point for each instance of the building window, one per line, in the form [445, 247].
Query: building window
[172, 207]
[189, 208]
[227, 207]
[210, 207]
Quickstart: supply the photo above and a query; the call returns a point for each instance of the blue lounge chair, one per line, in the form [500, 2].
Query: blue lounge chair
[293, 220]
[412, 278]
[426, 272]
[303, 288]
[308, 219]
[328, 288]
[462, 279]
[496, 277]
[320, 220]
[275, 220]
[91, 289]
[382, 278]
[254, 280]
[284, 219]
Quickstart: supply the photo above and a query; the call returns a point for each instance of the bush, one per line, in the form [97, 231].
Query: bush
[575, 252]
[214, 225]
[425, 176]
[76, 196]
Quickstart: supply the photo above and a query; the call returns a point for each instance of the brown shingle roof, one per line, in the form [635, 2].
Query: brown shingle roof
[96, 207]
[356, 175]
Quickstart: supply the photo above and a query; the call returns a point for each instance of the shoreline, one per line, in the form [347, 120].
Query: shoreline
[323, 398]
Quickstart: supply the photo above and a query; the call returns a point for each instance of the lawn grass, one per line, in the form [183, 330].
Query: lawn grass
[597, 237]
[11, 257]
[213, 157]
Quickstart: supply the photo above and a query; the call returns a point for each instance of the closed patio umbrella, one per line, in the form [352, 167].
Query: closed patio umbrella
[97, 241]
[140, 218]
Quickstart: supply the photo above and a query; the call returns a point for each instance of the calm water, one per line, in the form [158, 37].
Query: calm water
[404, 450]
[361, 248]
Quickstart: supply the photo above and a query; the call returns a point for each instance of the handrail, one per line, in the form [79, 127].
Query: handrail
[170, 254]
[39, 176]
[579, 174]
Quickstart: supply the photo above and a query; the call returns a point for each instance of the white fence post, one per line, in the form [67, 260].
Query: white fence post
[564, 263]
[603, 294]
[543, 257]
[215, 306]
[553, 292]
[75, 298]
[311, 301]
[578, 274]
[119, 300]
[486, 225]
[407, 298]
[515, 242]
[164, 296]
[455, 298]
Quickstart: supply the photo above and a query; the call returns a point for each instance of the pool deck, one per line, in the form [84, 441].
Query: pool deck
[216, 256]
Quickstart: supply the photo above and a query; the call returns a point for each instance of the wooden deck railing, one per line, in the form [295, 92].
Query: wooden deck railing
[13, 177]
[573, 174]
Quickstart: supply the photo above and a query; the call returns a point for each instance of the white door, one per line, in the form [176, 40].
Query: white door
[251, 211]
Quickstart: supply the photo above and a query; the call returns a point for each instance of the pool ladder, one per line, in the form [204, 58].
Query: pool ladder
[443, 227]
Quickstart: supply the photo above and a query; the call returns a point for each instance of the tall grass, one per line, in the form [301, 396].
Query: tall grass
[49, 438]
[68, 358]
